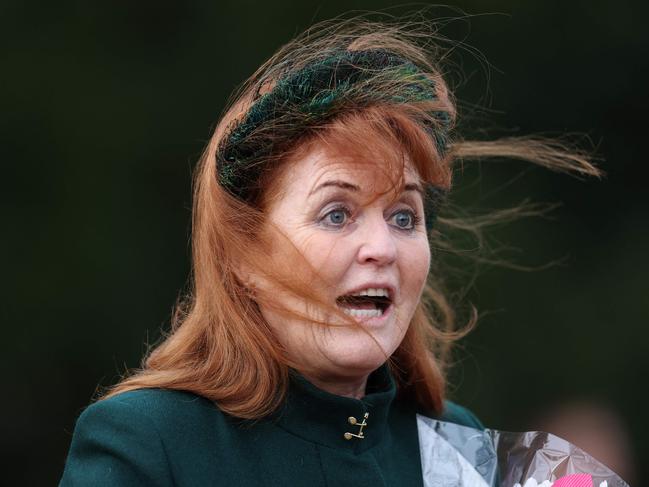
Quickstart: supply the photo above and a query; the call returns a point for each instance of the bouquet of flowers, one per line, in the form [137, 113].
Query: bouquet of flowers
[458, 456]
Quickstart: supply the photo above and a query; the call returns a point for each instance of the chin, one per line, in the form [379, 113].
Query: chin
[359, 358]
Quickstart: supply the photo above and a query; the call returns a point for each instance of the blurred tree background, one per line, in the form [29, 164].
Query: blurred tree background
[106, 107]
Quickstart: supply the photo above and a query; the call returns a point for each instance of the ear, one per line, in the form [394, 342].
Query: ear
[244, 275]
[248, 278]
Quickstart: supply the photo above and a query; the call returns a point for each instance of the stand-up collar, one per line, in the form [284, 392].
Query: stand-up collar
[324, 418]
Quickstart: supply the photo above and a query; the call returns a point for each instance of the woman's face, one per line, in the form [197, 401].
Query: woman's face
[379, 250]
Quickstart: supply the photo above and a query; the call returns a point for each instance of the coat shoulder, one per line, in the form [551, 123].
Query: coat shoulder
[158, 404]
[133, 438]
[454, 413]
[170, 412]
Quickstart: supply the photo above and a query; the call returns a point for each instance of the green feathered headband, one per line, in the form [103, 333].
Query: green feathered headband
[306, 97]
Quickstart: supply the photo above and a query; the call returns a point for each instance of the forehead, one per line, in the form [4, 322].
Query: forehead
[319, 165]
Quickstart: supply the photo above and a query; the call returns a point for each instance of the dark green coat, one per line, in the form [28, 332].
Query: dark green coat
[164, 438]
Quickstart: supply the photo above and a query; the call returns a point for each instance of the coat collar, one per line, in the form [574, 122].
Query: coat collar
[324, 418]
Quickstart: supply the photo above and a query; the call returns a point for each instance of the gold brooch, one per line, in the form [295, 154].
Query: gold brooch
[353, 421]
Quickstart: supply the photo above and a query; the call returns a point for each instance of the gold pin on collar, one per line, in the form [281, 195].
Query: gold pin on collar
[353, 421]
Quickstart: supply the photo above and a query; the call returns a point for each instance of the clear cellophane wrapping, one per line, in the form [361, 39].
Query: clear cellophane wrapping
[458, 456]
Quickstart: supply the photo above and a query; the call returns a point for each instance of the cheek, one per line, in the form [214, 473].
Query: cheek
[327, 253]
[415, 262]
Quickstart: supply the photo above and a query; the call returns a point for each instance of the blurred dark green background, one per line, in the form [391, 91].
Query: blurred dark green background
[106, 107]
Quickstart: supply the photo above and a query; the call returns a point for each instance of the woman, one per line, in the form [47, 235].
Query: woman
[314, 335]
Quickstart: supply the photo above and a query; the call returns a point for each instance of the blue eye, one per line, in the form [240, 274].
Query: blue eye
[336, 217]
[405, 219]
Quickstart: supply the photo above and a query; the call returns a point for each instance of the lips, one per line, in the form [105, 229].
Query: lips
[364, 302]
[369, 301]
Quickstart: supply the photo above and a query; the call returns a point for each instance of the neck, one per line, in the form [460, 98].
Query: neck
[352, 388]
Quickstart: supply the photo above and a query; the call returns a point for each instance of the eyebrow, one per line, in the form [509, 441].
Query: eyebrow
[352, 187]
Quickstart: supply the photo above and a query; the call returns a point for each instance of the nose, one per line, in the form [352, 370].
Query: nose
[377, 244]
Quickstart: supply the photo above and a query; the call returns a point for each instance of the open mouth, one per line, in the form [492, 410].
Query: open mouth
[369, 303]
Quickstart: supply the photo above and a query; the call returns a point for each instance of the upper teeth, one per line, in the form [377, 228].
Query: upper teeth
[373, 291]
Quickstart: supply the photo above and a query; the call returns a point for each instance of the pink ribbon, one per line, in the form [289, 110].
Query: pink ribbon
[576, 480]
